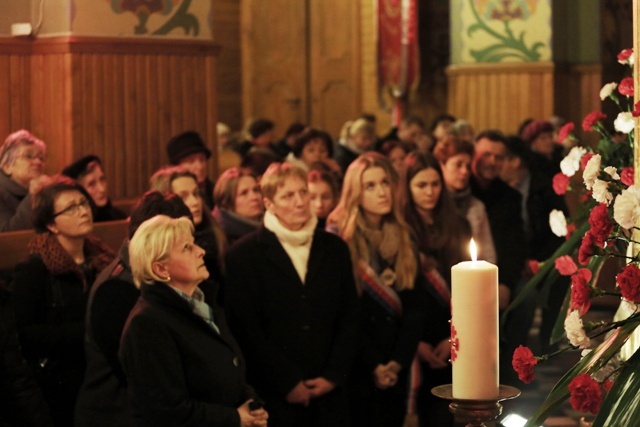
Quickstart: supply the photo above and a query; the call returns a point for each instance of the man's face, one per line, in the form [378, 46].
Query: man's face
[196, 164]
[410, 133]
[488, 159]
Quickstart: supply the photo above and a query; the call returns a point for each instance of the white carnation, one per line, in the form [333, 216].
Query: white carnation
[575, 331]
[626, 208]
[624, 122]
[601, 192]
[571, 163]
[607, 90]
[591, 171]
[558, 223]
[613, 172]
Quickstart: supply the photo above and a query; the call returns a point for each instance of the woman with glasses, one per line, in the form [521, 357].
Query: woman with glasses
[22, 158]
[51, 289]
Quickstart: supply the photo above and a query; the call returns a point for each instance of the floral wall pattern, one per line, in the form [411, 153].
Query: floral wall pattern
[168, 18]
[506, 31]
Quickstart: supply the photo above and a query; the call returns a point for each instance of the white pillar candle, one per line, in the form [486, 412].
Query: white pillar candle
[474, 329]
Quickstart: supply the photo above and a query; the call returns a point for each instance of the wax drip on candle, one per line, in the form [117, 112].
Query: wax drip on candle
[473, 250]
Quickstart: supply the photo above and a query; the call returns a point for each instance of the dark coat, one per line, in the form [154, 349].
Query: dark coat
[504, 210]
[383, 338]
[22, 403]
[50, 296]
[108, 212]
[180, 371]
[234, 226]
[102, 400]
[290, 331]
[15, 205]
[344, 156]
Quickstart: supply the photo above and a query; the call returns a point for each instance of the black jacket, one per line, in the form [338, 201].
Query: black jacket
[180, 371]
[22, 403]
[290, 331]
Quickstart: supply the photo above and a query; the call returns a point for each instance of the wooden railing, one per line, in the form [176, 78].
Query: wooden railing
[13, 244]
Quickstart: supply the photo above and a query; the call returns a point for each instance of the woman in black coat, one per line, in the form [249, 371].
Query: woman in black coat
[293, 306]
[51, 289]
[392, 293]
[182, 365]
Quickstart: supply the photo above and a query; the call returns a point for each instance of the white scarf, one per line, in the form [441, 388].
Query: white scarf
[297, 244]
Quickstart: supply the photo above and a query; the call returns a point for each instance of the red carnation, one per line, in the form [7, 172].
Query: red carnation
[585, 159]
[626, 176]
[624, 55]
[534, 266]
[560, 183]
[601, 225]
[606, 385]
[636, 110]
[565, 265]
[626, 86]
[628, 281]
[565, 131]
[580, 290]
[570, 229]
[523, 363]
[585, 394]
[591, 120]
[586, 248]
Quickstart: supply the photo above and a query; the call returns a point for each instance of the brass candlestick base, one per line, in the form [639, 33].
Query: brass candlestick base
[475, 412]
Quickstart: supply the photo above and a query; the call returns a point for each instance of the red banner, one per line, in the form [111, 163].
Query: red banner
[398, 64]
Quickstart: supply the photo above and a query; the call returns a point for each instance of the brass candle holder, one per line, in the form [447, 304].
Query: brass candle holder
[475, 412]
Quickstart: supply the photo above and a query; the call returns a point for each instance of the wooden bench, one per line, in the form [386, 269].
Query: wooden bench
[13, 244]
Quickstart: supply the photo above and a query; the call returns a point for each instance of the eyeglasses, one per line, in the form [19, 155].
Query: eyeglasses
[30, 156]
[74, 209]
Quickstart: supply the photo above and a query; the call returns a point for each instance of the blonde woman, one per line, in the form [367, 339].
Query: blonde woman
[356, 137]
[182, 364]
[392, 293]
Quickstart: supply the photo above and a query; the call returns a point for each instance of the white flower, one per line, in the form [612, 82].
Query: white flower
[624, 122]
[558, 223]
[591, 171]
[571, 163]
[626, 208]
[601, 192]
[575, 332]
[613, 172]
[607, 90]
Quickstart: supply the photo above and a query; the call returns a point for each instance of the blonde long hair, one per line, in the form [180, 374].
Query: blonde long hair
[349, 219]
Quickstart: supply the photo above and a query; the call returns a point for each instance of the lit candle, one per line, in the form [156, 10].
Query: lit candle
[474, 329]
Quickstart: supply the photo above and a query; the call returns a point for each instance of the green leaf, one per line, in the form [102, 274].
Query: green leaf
[590, 364]
[621, 407]
[567, 247]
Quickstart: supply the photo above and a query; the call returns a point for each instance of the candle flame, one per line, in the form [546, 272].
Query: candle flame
[473, 250]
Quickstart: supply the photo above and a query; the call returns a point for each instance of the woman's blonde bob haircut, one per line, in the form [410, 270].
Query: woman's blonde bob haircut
[152, 242]
[276, 175]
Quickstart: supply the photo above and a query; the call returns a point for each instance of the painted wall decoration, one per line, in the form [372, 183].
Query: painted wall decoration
[506, 31]
[168, 18]
[144, 8]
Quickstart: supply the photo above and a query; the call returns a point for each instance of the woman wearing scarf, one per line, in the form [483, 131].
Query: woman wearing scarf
[51, 289]
[392, 293]
[292, 305]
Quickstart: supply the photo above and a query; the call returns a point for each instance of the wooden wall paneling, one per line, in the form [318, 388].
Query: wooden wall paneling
[210, 85]
[500, 96]
[334, 67]
[274, 61]
[15, 96]
[5, 96]
[157, 153]
[144, 147]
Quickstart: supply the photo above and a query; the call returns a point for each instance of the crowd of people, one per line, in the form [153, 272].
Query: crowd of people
[308, 286]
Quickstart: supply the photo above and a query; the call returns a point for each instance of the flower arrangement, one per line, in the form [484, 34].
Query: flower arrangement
[605, 380]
